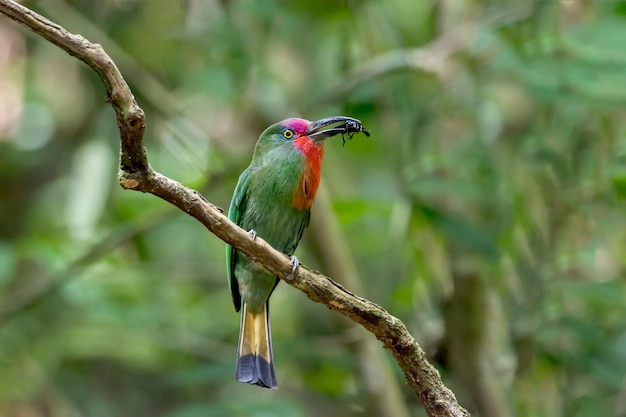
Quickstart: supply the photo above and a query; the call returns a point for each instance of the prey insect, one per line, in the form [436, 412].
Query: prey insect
[351, 128]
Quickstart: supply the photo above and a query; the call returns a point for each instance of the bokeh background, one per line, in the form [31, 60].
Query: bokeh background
[487, 210]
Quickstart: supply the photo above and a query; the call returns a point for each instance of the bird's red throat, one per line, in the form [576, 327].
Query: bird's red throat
[313, 153]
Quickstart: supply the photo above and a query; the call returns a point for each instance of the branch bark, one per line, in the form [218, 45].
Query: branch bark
[136, 174]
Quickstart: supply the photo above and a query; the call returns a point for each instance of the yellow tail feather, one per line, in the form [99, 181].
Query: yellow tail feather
[255, 361]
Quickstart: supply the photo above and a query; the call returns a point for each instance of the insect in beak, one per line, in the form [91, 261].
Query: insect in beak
[349, 128]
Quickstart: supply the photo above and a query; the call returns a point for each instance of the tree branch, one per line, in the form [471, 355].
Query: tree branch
[333, 253]
[136, 174]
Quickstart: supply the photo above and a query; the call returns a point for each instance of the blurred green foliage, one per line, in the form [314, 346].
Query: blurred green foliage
[487, 210]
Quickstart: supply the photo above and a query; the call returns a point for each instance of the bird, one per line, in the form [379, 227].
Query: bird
[273, 200]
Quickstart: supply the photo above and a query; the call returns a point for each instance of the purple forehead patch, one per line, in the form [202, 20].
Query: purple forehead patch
[299, 125]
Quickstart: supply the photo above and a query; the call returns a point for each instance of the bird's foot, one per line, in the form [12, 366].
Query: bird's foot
[252, 234]
[295, 263]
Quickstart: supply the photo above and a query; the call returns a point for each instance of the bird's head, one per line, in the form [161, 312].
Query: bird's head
[297, 130]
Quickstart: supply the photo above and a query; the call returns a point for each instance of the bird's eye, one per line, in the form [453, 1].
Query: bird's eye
[288, 133]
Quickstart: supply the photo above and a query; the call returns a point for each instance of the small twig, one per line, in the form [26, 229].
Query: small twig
[434, 58]
[431, 58]
[136, 174]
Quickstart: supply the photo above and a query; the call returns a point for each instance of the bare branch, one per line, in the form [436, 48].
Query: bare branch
[136, 174]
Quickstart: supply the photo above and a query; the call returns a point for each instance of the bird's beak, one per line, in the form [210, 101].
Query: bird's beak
[317, 133]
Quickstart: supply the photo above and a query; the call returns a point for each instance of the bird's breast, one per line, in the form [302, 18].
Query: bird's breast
[305, 192]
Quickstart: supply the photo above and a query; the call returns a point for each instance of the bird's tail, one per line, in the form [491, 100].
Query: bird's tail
[255, 360]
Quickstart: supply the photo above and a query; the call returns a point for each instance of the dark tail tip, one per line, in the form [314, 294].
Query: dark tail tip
[255, 370]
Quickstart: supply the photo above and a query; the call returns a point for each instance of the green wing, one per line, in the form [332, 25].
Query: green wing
[235, 213]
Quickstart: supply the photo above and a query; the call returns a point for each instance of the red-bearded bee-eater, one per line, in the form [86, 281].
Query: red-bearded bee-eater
[273, 200]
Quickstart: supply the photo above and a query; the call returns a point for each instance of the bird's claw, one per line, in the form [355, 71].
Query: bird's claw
[295, 263]
[252, 234]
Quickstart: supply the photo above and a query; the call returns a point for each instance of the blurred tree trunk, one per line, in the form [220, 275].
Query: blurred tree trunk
[477, 340]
